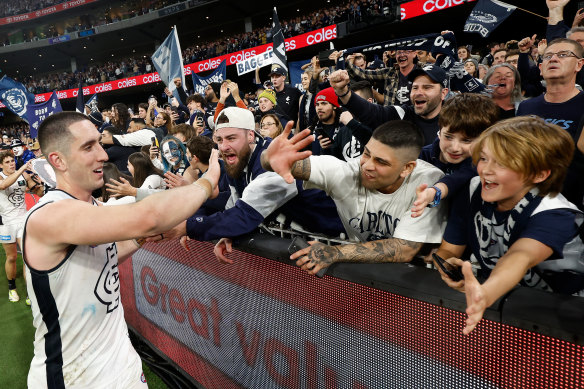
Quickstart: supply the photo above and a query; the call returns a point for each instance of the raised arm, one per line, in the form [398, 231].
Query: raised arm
[11, 179]
[284, 156]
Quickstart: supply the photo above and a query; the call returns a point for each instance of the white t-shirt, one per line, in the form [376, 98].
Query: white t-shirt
[154, 181]
[370, 215]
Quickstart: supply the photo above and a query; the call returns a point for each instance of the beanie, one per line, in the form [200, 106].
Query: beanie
[268, 94]
[329, 95]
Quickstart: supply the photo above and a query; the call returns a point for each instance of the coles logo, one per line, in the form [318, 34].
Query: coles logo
[242, 55]
[126, 83]
[323, 35]
[208, 65]
[103, 88]
[434, 5]
[39, 98]
[149, 78]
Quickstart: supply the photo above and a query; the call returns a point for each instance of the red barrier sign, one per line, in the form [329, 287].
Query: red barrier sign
[422, 7]
[44, 11]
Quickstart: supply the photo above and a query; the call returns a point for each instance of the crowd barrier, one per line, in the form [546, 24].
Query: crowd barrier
[264, 323]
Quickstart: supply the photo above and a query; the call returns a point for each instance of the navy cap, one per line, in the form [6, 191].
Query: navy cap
[436, 74]
[279, 70]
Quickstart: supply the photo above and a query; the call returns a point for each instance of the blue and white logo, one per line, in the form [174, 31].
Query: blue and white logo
[15, 100]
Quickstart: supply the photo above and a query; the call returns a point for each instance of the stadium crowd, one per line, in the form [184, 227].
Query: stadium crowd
[353, 11]
[398, 157]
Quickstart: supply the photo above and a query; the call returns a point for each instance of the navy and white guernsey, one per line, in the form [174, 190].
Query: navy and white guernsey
[81, 338]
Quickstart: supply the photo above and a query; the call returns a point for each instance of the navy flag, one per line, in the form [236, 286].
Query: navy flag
[15, 96]
[79, 107]
[218, 75]
[279, 45]
[92, 103]
[167, 60]
[38, 112]
[487, 15]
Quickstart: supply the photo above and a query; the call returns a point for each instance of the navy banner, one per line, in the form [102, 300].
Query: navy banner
[167, 60]
[218, 75]
[15, 96]
[37, 113]
[487, 15]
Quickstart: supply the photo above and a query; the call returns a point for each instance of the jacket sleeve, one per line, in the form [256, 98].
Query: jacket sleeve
[138, 138]
[266, 193]
[373, 115]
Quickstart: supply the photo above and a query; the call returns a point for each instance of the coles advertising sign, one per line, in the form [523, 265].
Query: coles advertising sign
[296, 42]
[421, 7]
[44, 11]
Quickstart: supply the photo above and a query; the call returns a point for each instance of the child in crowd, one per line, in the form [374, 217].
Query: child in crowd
[462, 119]
[512, 216]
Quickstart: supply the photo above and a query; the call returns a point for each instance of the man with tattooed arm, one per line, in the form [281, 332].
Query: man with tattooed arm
[373, 195]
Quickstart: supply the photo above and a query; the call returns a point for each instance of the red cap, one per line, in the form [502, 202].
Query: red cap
[329, 95]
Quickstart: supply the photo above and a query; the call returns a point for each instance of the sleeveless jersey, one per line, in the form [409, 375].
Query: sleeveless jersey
[12, 205]
[81, 338]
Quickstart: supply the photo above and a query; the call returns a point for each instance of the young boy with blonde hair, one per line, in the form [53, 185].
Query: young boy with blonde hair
[513, 217]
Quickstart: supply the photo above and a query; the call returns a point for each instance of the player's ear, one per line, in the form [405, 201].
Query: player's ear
[57, 161]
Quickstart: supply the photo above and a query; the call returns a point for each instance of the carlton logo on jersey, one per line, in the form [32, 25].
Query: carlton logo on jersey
[107, 289]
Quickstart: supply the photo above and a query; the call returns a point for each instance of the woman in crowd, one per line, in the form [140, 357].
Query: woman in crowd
[163, 122]
[471, 66]
[120, 117]
[268, 105]
[144, 175]
[270, 126]
[505, 84]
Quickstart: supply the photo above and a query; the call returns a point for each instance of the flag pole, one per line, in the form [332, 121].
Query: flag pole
[533, 13]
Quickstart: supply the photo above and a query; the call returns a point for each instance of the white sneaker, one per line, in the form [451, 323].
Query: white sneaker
[13, 296]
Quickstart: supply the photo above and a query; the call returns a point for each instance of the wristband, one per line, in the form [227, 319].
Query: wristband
[344, 94]
[437, 197]
[139, 242]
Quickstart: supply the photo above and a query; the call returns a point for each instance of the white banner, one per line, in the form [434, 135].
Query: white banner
[253, 63]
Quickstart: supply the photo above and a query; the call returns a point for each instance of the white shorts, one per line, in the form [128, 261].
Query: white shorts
[9, 233]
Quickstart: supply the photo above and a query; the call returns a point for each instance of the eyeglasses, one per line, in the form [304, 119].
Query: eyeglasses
[266, 125]
[561, 55]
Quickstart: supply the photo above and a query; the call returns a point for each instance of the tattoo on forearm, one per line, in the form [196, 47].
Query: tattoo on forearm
[386, 250]
[322, 254]
[301, 169]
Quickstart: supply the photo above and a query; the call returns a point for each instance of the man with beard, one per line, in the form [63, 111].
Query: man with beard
[429, 88]
[397, 85]
[212, 97]
[334, 137]
[374, 195]
[255, 193]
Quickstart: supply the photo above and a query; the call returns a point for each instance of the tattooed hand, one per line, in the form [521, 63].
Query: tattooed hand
[316, 257]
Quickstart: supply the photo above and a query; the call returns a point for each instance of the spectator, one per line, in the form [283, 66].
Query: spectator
[462, 119]
[270, 126]
[287, 96]
[489, 58]
[471, 66]
[373, 195]
[307, 112]
[255, 193]
[463, 54]
[117, 153]
[428, 91]
[505, 83]
[512, 218]
[120, 117]
[144, 176]
[397, 87]
[499, 57]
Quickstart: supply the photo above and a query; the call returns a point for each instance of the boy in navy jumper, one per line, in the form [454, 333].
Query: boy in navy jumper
[462, 119]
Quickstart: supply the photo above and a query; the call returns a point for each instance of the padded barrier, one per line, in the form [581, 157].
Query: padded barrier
[264, 323]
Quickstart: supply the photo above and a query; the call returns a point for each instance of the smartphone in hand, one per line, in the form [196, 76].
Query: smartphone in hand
[453, 272]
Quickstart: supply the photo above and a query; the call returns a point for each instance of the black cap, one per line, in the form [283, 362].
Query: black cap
[436, 74]
[279, 70]
[16, 143]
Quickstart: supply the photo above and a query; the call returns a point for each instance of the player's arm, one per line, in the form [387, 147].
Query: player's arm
[319, 255]
[72, 222]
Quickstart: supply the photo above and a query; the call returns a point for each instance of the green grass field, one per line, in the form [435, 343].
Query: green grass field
[17, 336]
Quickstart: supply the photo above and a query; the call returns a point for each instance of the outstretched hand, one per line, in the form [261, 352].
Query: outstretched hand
[173, 180]
[476, 300]
[120, 188]
[424, 196]
[283, 152]
[214, 172]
